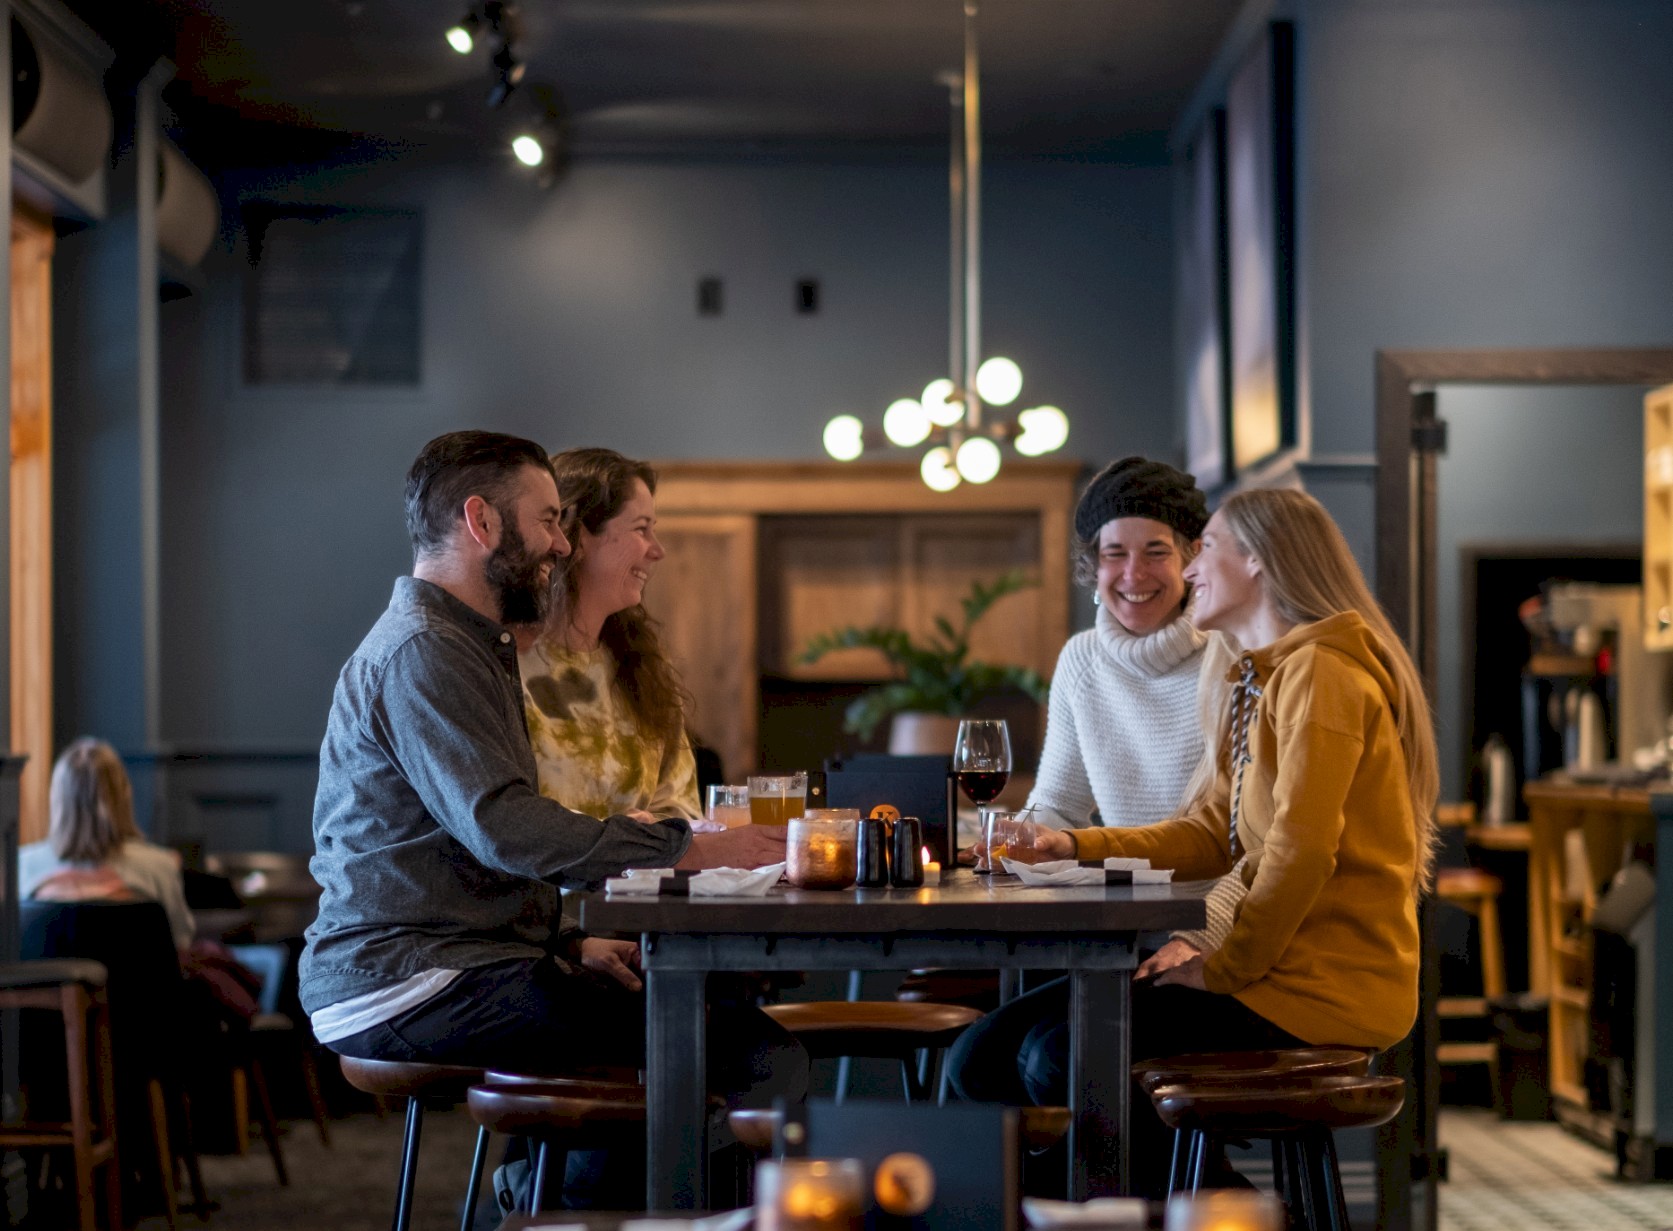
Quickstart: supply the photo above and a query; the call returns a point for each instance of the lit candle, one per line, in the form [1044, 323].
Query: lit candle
[932, 869]
[809, 1194]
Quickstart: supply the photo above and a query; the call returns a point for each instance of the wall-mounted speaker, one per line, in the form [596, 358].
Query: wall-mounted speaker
[188, 212]
[59, 112]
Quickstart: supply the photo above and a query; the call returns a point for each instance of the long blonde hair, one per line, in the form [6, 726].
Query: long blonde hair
[91, 803]
[1310, 574]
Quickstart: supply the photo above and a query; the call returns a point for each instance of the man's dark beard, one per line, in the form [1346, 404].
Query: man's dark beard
[514, 576]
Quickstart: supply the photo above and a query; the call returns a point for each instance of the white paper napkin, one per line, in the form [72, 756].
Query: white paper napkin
[1098, 1212]
[709, 883]
[1068, 872]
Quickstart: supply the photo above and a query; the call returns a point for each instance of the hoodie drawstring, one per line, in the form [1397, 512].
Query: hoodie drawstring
[1246, 695]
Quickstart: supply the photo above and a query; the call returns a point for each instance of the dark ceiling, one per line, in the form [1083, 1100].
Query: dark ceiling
[1076, 77]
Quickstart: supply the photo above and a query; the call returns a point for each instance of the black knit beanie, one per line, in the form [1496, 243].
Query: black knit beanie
[1139, 487]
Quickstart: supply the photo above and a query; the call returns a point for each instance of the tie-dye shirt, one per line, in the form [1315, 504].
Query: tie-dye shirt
[592, 754]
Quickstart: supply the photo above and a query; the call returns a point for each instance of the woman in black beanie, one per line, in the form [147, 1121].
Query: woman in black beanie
[1124, 735]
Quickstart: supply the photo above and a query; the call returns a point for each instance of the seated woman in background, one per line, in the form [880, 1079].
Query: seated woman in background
[1124, 731]
[604, 706]
[93, 849]
[1325, 787]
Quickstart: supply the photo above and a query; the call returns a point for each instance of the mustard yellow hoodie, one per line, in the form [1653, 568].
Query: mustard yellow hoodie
[1325, 945]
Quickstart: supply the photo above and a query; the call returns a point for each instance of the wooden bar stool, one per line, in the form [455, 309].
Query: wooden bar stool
[563, 1115]
[75, 990]
[1477, 893]
[1244, 1066]
[884, 1029]
[422, 1085]
[1299, 1115]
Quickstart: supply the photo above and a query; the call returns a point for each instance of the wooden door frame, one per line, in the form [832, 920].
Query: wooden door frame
[1407, 447]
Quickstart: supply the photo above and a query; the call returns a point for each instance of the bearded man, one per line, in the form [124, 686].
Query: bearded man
[439, 936]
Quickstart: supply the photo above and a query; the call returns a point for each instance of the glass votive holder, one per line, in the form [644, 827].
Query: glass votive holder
[809, 1194]
[729, 805]
[999, 827]
[832, 814]
[1224, 1209]
[822, 854]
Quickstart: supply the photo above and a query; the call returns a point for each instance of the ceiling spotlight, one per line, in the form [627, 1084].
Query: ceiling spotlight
[528, 149]
[461, 36]
[508, 73]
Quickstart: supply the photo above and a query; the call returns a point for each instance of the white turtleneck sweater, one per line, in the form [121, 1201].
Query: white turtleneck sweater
[1122, 737]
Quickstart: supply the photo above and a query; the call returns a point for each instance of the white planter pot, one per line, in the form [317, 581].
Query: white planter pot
[913, 734]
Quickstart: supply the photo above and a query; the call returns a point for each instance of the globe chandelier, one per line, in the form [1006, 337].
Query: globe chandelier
[964, 443]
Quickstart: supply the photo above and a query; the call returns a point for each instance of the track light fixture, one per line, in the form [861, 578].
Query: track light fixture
[461, 35]
[508, 75]
[541, 141]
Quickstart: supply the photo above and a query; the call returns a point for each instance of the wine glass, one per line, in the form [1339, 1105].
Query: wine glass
[982, 765]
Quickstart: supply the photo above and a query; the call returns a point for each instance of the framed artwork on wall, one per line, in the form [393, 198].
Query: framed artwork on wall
[1202, 304]
[1260, 201]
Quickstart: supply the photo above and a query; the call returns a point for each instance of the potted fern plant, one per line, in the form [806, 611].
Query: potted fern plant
[936, 682]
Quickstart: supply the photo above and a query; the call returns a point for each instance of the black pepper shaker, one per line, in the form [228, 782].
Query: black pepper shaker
[874, 854]
[906, 867]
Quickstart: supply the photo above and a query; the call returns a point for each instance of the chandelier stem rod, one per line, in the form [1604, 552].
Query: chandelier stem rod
[972, 221]
[955, 230]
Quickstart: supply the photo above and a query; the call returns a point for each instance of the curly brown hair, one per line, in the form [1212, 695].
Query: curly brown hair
[593, 485]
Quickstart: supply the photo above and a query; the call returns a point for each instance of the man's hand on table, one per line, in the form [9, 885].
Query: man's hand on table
[617, 958]
[747, 846]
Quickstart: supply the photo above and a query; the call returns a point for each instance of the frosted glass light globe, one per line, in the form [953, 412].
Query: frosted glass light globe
[845, 438]
[528, 150]
[937, 469]
[1044, 428]
[978, 459]
[998, 380]
[905, 423]
[459, 38]
[941, 412]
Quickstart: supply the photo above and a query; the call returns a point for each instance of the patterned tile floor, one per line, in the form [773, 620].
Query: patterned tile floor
[1509, 1176]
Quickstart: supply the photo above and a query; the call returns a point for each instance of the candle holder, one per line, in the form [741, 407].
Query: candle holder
[809, 1194]
[820, 853]
[1225, 1210]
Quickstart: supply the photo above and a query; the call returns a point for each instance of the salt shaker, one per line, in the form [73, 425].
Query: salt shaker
[874, 854]
[906, 865]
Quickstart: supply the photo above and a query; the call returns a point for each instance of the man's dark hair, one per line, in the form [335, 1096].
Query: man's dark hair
[455, 467]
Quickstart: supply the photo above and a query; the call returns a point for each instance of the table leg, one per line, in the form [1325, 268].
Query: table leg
[1100, 1048]
[677, 1122]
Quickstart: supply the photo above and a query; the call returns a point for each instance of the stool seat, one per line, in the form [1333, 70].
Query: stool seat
[871, 1027]
[754, 1128]
[1252, 1065]
[554, 1107]
[410, 1079]
[623, 1080]
[974, 989]
[53, 971]
[1452, 884]
[1280, 1105]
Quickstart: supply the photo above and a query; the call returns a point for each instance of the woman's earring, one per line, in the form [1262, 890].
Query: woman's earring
[1096, 601]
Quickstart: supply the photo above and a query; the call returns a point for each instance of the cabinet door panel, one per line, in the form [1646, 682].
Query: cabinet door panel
[819, 574]
[703, 594]
[945, 555]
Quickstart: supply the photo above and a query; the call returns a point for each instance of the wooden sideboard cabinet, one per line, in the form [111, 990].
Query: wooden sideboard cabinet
[762, 556]
[1578, 836]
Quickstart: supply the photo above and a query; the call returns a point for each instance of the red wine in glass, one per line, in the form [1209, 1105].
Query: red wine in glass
[982, 786]
[982, 765]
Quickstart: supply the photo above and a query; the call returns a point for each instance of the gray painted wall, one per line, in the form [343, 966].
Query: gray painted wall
[570, 316]
[1477, 173]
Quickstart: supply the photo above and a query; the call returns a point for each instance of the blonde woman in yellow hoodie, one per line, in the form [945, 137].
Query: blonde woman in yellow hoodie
[1326, 783]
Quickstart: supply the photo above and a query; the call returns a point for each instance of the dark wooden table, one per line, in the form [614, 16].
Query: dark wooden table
[969, 921]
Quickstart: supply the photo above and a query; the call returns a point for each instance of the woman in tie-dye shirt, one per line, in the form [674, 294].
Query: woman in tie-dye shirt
[605, 708]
